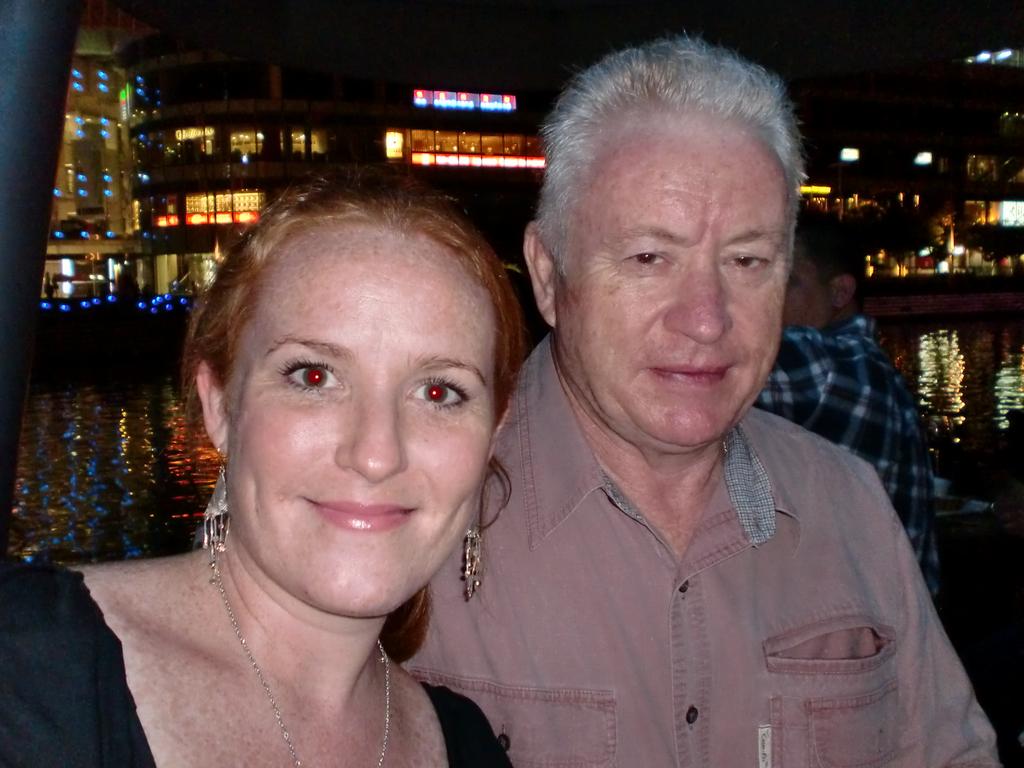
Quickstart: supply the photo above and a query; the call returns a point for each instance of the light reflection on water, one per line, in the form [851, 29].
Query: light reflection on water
[107, 470]
[967, 376]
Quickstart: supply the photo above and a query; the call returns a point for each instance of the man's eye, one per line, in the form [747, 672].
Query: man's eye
[749, 262]
[441, 393]
[646, 258]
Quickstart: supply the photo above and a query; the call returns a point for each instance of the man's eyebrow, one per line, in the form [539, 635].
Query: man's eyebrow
[649, 232]
[324, 347]
[436, 362]
[754, 235]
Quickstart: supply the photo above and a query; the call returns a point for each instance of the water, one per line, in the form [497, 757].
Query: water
[108, 469]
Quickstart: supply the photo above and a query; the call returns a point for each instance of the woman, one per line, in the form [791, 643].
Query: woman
[350, 362]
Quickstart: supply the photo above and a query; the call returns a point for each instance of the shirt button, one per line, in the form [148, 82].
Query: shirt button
[691, 715]
[685, 586]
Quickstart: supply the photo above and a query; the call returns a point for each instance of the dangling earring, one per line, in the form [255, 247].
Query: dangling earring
[471, 562]
[216, 520]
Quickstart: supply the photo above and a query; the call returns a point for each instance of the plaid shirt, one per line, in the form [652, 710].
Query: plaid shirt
[839, 383]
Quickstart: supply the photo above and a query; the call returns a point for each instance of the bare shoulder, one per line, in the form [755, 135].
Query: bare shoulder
[146, 595]
[417, 728]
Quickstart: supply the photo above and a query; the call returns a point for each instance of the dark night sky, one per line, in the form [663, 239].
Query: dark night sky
[534, 44]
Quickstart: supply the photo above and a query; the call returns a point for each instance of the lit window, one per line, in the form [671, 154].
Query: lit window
[849, 154]
[394, 143]
[923, 158]
[469, 143]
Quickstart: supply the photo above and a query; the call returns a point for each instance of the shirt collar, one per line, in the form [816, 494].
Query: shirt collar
[560, 469]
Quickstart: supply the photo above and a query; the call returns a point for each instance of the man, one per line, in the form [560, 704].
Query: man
[832, 378]
[676, 579]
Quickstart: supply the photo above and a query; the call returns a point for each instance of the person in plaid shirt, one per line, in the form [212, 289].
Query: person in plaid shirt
[833, 378]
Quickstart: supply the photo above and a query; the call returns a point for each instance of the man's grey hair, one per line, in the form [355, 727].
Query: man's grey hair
[674, 76]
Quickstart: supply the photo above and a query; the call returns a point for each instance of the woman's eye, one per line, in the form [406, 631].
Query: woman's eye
[440, 393]
[311, 376]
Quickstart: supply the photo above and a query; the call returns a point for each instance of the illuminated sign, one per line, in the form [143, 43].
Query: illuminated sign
[810, 189]
[185, 134]
[476, 161]
[849, 154]
[923, 158]
[193, 219]
[464, 100]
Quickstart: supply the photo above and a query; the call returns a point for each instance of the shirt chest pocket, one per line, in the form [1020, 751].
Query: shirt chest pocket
[544, 727]
[835, 697]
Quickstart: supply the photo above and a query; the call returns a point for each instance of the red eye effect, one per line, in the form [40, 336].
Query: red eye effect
[436, 393]
[314, 377]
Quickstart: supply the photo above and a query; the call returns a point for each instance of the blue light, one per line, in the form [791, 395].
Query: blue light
[59, 235]
[79, 134]
[84, 235]
[157, 300]
[141, 305]
[56, 192]
[104, 121]
[81, 192]
[78, 86]
[45, 305]
[103, 88]
[183, 301]
[105, 134]
[107, 193]
[79, 120]
[84, 304]
[75, 73]
[167, 297]
[144, 177]
[111, 298]
[111, 234]
[152, 310]
[102, 75]
[107, 177]
[82, 177]
[139, 80]
[140, 92]
[64, 308]
[168, 307]
[96, 301]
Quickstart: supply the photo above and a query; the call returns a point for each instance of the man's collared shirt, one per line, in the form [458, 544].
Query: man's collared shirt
[793, 633]
[839, 383]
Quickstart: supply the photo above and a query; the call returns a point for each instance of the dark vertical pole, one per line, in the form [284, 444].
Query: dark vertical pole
[36, 43]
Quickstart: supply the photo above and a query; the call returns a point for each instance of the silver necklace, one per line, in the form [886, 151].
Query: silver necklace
[270, 694]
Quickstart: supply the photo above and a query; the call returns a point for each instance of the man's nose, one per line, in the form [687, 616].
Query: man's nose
[373, 444]
[698, 307]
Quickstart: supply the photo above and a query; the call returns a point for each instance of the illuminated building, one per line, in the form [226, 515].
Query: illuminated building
[215, 139]
[944, 142]
[92, 234]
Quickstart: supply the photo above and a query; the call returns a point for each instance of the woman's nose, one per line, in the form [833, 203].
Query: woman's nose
[374, 446]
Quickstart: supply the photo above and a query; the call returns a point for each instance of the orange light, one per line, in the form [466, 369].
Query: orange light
[197, 218]
[477, 161]
[167, 221]
[246, 217]
[223, 218]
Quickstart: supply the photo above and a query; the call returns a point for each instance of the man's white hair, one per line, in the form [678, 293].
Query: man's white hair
[674, 76]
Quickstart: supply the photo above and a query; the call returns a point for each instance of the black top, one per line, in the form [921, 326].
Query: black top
[64, 698]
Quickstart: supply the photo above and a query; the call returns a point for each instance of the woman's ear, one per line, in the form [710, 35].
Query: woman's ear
[215, 417]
